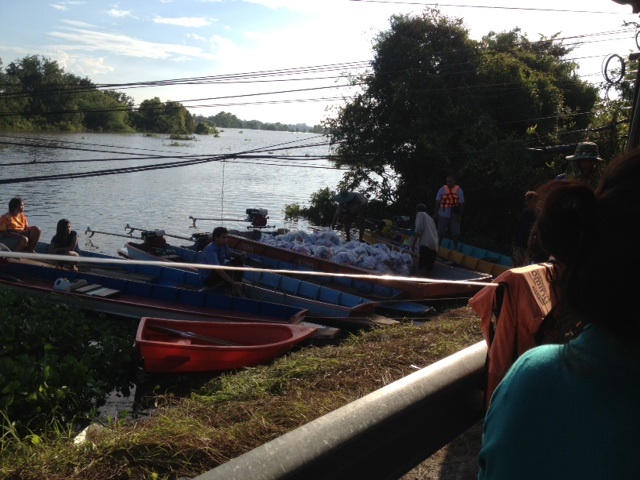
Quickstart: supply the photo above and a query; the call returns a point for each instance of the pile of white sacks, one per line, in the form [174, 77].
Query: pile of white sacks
[327, 245]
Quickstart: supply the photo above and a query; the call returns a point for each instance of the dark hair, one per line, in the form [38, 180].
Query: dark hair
[61, 229]
[591, 235]
[421, 207]
[14, 203]
[219, 231]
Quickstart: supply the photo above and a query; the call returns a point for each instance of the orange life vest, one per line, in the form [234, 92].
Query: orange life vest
[450, 197]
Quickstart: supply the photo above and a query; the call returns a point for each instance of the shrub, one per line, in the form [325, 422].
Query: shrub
[57, 365]
[322, 207]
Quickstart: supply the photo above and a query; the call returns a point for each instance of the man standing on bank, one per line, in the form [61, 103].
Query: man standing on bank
[350, 203]
[426, 236]
[449, 205]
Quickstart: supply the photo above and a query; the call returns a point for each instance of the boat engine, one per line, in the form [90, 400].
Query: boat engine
[153, 238]
[257, 216]
[200, 240]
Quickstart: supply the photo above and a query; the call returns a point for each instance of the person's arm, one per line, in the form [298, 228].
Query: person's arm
[461, 201]
[73, 243]
[227, 278]
[418, 232]
[436, 206]
[336, 216]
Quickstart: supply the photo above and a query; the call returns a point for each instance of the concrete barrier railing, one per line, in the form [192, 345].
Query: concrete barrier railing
[382, 435]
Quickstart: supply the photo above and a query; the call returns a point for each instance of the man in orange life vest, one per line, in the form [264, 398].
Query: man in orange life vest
[448, 214]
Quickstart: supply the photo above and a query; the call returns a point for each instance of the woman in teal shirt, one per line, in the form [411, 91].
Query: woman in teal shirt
[573, 411]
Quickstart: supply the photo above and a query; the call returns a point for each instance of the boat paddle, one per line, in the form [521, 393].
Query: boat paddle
[182, 334]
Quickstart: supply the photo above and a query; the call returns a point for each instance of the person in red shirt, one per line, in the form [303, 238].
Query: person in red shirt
[15, 232]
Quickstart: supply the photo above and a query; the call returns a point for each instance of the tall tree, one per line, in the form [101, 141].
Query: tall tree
[437, 102]
[50, 94]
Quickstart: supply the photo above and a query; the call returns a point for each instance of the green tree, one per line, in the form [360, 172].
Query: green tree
[226, 120]
[437, 102]
[12, 101]
[105, 111]
[51, 96]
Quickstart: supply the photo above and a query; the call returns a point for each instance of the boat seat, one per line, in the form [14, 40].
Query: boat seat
[97, 290]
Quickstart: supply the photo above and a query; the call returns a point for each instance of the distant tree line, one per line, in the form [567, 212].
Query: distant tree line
[229, 120]
[37, 94]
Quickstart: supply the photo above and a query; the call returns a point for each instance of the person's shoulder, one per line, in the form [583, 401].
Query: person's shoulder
[537, 363]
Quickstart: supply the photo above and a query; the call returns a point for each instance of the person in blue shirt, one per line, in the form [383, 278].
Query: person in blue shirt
[218, 253]
[572, 410]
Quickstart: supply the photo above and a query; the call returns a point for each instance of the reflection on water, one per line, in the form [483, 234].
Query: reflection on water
[165, 198]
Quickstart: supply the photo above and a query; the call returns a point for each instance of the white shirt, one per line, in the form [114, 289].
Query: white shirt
[426, 229]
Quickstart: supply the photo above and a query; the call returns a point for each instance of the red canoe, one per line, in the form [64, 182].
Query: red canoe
[202, 346]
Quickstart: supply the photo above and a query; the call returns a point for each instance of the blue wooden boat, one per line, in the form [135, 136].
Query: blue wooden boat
[118, 292]
[467, 256]
[320, 300]
[134, 291]
[475, 257]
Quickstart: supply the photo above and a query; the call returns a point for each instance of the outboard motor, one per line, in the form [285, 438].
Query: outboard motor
[200, 240]
[153, 239]
[257, 216]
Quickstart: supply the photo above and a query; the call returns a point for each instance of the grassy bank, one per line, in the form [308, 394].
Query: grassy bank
[234, 413]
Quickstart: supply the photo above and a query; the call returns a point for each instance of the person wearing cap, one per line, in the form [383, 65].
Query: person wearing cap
[584, 165]
[350, 203]
[426, 236]
[449, 205]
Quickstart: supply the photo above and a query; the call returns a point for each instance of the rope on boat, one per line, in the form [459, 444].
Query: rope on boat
[117, 261]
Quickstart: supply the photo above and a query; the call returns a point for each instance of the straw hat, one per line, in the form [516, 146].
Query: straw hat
[588, 150]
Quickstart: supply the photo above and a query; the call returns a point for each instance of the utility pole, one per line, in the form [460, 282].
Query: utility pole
[634, 128]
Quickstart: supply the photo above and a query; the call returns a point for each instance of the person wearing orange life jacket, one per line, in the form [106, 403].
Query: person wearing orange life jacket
[449, 205]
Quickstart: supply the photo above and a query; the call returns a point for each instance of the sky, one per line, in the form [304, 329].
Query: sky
[272, 60]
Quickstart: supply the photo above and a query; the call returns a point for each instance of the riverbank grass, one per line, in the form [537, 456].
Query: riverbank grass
[233, 413]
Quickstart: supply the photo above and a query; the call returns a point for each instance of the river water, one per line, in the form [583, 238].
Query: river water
[160, 198]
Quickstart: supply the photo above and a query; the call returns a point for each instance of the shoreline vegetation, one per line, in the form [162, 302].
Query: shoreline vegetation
[41, 96]
[230, 414]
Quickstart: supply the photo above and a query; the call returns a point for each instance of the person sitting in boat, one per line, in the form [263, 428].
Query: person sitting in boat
[351, 203]
[15, 232]
[65, 241]
[218, 253]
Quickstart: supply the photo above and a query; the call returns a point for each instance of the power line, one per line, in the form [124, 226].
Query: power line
[491, 7]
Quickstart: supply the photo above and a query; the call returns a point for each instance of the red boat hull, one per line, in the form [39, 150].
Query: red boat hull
[252, 344]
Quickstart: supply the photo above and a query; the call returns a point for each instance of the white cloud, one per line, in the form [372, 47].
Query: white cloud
[118, 13]
[92, 41]
[79, 64]
[75, 23]
[198, 38]
[58, 6]
[193, 22]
